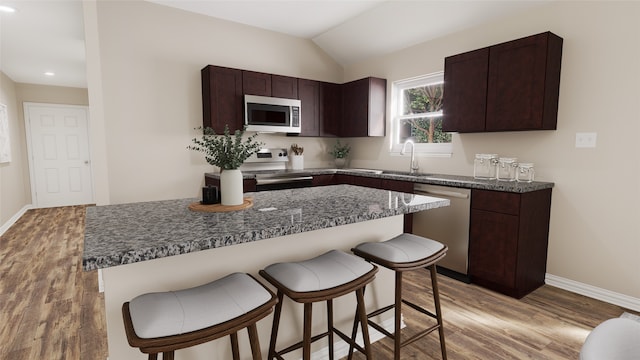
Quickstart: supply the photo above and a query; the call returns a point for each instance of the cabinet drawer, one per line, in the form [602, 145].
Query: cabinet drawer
[496, 201]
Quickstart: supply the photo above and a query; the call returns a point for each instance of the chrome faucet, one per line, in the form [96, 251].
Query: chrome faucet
[413, 166]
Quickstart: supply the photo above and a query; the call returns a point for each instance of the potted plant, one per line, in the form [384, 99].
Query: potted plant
[227, 152]
[340, 152]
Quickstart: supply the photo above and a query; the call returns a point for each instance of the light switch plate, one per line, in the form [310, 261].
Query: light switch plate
[586, 140]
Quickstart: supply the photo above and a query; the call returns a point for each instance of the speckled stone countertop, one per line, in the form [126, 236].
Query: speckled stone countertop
[468, 182]
[129, 233]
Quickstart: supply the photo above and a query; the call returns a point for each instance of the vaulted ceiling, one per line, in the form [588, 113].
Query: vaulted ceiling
[48, 36]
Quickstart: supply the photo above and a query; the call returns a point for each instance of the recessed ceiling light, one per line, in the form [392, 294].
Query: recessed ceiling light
[7, 9]
[50, 73]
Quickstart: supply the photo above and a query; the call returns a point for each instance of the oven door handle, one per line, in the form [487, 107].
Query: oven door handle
[283, 180]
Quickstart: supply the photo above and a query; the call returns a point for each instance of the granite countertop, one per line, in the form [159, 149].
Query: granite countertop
[459, 181]
[129, 233]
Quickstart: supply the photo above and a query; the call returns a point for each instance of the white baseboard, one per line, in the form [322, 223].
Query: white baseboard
[14, 218]
[625, 301]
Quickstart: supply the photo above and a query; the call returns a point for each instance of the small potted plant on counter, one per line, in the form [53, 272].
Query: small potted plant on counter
[340, 153]
[227, 152]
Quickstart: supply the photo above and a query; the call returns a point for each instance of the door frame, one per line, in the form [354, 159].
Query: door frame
[27, 126]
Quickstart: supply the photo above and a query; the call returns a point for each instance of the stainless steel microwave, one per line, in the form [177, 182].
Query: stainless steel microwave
[269, 114]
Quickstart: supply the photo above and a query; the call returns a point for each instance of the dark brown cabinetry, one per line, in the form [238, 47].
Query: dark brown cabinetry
[222, 98]
[364, 107]
[355, 109]
[262, 84]
[465, 82]
[248, 185]
[507, 87]
[309, 94]
[321, 108]
[508, 240]
[330, 109]
[323, 180]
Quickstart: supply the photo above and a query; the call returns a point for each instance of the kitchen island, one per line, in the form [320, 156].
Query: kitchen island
[163, 246]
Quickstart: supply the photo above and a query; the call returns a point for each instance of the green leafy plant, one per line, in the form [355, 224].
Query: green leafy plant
[225, 151]
[340, 151]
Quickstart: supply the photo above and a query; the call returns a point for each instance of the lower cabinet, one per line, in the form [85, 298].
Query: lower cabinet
[508, 240]
[323, 180]
[248, 185]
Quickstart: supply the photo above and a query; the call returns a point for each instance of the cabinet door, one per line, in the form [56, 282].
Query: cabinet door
[493, 245]
[330, 109]
[364, 108]
[222, 98]
[256, 83]
[322, 180]
[523, 75]
[284, 87]
[465, 91]
[248, 185]
[309, 93]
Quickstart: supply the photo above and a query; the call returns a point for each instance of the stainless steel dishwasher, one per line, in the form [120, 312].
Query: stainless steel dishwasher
[448, 225]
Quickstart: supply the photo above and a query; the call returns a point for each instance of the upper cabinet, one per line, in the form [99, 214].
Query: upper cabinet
[364, 107]
[309, 93]
[507, 87]
[222, 102]
[354, 109]
[261, 84]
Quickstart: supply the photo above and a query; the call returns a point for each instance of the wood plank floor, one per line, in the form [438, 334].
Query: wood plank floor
[51, 309]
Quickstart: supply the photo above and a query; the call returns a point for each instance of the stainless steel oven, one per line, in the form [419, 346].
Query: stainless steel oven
[282, 181]
[270, 169]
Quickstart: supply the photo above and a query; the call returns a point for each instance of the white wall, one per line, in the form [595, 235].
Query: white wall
[14, 176]
[595, 222]
[150, 60]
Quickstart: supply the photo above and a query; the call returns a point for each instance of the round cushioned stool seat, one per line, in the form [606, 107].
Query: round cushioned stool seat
[614, 339]
[177, 312]
[403, 248]
[326, 271]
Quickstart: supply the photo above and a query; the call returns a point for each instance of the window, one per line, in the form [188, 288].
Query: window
[417, 115]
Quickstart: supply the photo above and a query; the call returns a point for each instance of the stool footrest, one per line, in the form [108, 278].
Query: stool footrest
[419, 309]
[298, 345]
[419, 335]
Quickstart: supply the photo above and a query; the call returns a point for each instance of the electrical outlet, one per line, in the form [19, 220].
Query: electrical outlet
[586, 140]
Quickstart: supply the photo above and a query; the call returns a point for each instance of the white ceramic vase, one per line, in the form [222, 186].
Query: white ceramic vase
[231, 190]
[340, 162]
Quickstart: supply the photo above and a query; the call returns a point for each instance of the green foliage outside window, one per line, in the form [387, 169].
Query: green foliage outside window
[424, 100]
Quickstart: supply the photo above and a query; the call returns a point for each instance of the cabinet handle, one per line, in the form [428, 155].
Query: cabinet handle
[452, 194]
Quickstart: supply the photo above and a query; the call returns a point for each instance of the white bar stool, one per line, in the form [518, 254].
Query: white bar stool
[322, 278]
[167, 321]
[406, 252]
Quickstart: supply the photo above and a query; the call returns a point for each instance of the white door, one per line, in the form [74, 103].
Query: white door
[58, 144]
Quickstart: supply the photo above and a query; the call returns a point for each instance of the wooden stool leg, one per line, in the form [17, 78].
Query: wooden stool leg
[274, 328]
[167, 355]
[436, 300]
[153, 356]
[234, 346]
[306, 333]
[254, 341]
[397, 338]
[362, 312]
[330, 327]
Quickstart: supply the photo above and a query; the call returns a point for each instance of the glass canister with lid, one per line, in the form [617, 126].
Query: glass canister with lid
[484, 166]
[507, 169]
[525, 172]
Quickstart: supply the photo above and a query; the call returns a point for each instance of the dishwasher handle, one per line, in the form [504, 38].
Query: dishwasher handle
[452, 194]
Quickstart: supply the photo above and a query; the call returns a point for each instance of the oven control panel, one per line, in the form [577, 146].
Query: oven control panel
[269, 155]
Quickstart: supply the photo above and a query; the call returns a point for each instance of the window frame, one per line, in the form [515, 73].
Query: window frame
[397, 88]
